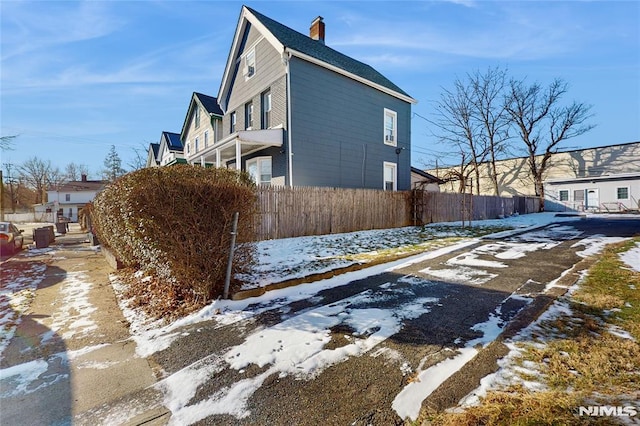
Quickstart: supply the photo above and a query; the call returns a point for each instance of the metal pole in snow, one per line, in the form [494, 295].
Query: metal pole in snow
[227, 280]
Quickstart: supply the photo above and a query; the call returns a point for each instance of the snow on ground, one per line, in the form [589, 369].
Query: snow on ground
[70, 318]
[511, 370]
[295, 346]
[17, 291]
[632, 258]
[290, 258]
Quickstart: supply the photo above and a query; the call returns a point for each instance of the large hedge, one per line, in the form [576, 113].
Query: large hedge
[175, 223]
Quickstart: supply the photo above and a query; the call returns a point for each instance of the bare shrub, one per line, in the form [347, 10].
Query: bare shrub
[175, 224]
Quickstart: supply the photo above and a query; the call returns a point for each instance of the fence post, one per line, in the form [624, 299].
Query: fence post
[227, 280]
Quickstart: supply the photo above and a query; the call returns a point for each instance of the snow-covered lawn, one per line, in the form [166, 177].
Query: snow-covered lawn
[291, 258]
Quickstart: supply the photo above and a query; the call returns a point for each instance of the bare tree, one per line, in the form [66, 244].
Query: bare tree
[6, 142]
[35, 173]
[455, 118]
[491, 113]
[139, 160]
[543, 124]
[75, 171]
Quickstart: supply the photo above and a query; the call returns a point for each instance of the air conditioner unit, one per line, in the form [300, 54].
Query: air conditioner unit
[248, 71]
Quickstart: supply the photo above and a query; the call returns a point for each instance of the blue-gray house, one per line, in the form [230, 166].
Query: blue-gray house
[298, 113]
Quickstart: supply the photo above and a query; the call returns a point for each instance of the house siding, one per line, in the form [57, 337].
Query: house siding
[193, 132]
[337, 130]
[514, 175]
[605, 199]
[270, 74]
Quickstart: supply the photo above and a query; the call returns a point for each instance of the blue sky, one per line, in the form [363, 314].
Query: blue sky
[78, 77]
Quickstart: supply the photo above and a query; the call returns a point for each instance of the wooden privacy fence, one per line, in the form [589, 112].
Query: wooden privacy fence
[430, 207]
[292, 212]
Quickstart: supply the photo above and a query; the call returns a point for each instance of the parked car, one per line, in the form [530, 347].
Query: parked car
[11, 239]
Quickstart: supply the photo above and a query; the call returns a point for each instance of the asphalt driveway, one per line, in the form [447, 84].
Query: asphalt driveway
[368, 352]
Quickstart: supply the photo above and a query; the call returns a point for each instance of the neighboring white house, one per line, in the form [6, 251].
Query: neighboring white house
[605, 193]
[70, 197]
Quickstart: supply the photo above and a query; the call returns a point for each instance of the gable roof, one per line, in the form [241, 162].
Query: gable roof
[155, 148]
[173, 141]
[79, 185]
[209, 103]
[287, 40]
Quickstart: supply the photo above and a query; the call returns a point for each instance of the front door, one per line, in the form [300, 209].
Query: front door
[592, 199]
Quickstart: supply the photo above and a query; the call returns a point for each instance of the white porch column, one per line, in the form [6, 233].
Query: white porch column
[217, 157]
[238, 154]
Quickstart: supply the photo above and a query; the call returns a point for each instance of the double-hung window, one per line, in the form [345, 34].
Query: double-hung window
[390, 176]
[206, 138]
[232, 120]
[67, 197]
[249, 68]
[197, 145]
[260, 170]
[197, 116]
[563, 195]
[390, 127]
[266, 109]
[248, 115]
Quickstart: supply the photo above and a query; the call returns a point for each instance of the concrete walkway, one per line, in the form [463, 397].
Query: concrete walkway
[71, 360]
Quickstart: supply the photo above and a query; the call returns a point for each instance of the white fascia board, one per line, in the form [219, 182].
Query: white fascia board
[245, 16]
[362, 80]
[186, 119]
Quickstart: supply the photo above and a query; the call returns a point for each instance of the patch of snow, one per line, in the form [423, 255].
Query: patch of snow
[73, 318]
[16, 295]
[408, 402]
[595, 244]
[461, 274]
[632, 257]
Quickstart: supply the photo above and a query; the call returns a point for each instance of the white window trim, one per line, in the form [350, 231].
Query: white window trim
[386, 164]
[394, 136]
[249, 68]
[266, 114]
[248, 107]
[568, 195]
[233, 122]
[258, 160]
[628, 192]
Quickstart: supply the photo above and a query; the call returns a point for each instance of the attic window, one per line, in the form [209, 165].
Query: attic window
[249, 68]
[197, 117]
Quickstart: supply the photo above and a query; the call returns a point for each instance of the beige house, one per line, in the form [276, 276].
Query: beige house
[514, 176]
[202, 127]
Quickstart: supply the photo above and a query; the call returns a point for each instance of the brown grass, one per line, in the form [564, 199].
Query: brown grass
[582, 363]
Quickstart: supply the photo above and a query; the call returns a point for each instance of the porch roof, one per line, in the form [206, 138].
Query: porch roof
[236, 145]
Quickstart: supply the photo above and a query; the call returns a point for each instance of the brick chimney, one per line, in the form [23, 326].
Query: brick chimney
[84, 178]
[316, 31]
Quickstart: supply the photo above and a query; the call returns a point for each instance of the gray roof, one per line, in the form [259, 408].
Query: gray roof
[155, 148]
[173, 141]
[209, 103]
[297, 41]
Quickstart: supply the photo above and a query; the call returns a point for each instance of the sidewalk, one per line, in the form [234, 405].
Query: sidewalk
[76, 340]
